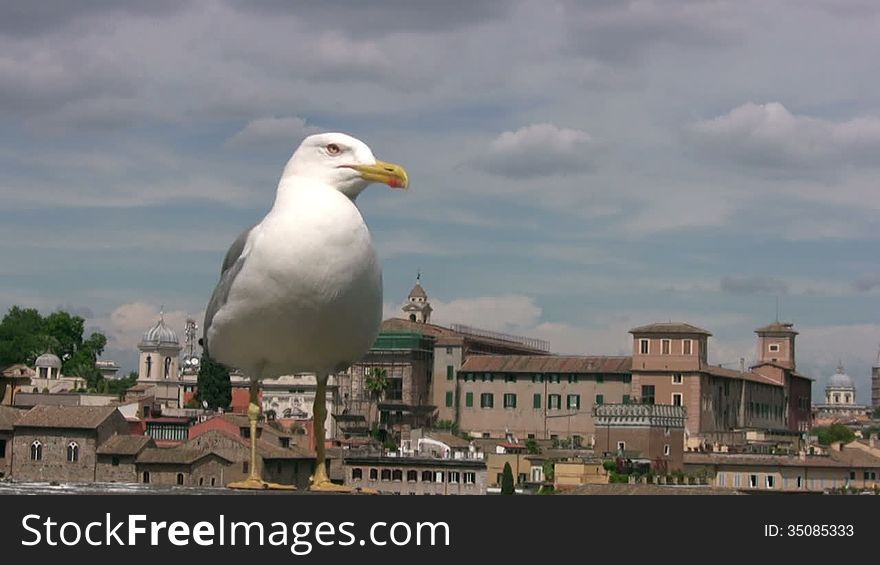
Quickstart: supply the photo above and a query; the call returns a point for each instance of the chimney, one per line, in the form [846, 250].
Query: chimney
[872, 441]
[837, 446]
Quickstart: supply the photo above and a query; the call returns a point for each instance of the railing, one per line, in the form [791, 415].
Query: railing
[534, 343]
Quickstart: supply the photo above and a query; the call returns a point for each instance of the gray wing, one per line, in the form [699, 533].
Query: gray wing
[232, 264]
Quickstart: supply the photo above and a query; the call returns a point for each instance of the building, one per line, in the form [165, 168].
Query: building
[652, 434]
[14, 378]
[183, 467]
[875, 383]
[109, 369]
[48, 378]
[417, 308]
[8, 417]
[573, 472]
[851, 466]
[117, 456]
[416, 475]
[60, 443]
[537, 397]
[840, 404]
[159, 364]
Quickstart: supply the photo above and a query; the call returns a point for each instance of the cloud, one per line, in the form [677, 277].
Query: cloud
[272, 131]
[867, 282]
[126, 324]
[770, 137]
[508, 312]
[753, 285]
[23, 18]
[539, 150]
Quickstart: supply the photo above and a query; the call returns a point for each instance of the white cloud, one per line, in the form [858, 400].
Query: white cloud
[126, 324]
[270, 131]
[539, 150]
[770, 136]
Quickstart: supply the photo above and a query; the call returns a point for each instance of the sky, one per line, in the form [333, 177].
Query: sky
[578, 168]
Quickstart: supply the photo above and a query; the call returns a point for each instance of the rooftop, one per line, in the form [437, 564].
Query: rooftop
[777, 327]
[175, 455]
[77, 417]
[125, 445]
[670, 328]
[9, 416]
[546, 364]
[626, 489]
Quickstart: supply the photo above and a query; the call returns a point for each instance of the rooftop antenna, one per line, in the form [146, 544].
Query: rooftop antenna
[777, 308]
[162, 313]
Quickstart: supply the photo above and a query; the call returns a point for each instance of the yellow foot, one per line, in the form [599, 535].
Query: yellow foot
[327, 486]
[257, 484]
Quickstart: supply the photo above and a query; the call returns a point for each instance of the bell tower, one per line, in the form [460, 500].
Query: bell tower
[776, 344]
[417, 308]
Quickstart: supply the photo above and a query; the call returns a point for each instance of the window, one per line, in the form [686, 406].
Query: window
[536, 401]
[213, 481]
[145, 478]
[454, 477]
[626, 399]
[201, 481]
[621, 446]
[554, 401]
[574, 401]
[450, 372]
[509, 400]
[577, 441]
[386, 474]
[2, 448]
[676, 378]
[427, 476]
[736, 480]
[521, 478]
[180, 478]
[572, 378]
[448, 351]
[470, 477]
[676, 398]
[412, 476]
[647, 394]
[438, 477]
[600, 378]
[487, 400]
[72, 452]
[36, 451]
[687, 347]
[753, 481]
[644, 348]
[469, 399]
[397, 475]
[357, 474]
[114, 461]
[773, 348]
[666, 449]
[374, 474]
[770, 481]
[600, 399]
[665, 346]
[510, 378]
[799, 481]
[449, 399]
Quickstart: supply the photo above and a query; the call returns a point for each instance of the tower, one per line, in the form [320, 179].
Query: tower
[159, 353]
[776, 344]
[875, 382]
[417, 308]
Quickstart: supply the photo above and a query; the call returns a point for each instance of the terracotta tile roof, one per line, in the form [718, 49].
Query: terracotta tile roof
[627, 489]
[125, 445]
[449, 439]
[546, 364]
[735, 374]
[444, 333]
[264, 449]
[175, 455]
[844, 459]
[669, 328]
[77, 417]
[9, 416]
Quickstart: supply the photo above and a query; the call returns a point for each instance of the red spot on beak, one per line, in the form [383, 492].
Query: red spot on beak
[394, 183]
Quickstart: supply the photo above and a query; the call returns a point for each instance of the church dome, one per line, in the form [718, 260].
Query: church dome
[840, 379]
[160, 334]
[48, 360]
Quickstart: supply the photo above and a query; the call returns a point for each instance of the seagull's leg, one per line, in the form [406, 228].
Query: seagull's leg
[254, 417]
[320, 480]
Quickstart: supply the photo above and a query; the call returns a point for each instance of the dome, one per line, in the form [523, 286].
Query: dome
[840, 379]
[48, 360]
[160, 334]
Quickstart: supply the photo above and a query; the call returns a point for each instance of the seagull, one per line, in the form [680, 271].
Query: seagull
[301, 291]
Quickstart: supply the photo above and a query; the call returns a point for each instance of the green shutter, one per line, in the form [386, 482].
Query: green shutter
[626, 399]
[469, 399]
[449, 399]
[600, 399]
[449, 372]
[536, 400]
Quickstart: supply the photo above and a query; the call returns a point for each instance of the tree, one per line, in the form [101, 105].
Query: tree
[376, 384]
[213, 384]
[532, 447]
[833, 433]
[507, 480]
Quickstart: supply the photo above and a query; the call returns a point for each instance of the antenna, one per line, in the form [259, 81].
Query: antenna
[777, 308]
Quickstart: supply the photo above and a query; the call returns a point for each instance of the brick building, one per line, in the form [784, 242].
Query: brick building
[60, 443]
[117, 456]
[653, 433]
[8, 417]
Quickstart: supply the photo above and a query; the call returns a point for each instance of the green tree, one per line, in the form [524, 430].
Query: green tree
[507, 480]
[376, 384]
[833, 433]
[532, 447]
[22, 336]
[213, 384]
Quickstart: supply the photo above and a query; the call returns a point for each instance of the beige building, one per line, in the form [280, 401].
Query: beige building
[840, 404]
[159, 365]
[416, 475]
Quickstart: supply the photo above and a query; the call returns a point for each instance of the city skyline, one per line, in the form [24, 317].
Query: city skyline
[577, 169]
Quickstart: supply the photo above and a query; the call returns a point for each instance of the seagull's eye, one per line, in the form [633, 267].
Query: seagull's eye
[333, 149]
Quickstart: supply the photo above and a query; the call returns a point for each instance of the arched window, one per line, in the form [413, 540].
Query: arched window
[36, 451]
[386, 474]
[397, 475]
[201, 481]
[180, 478]
[167, 367]
[72, 452]
[412, 476]
[149, 365]
[427, 476]
[213, 481]
[357, 474]
[374, 474]
[146, 477]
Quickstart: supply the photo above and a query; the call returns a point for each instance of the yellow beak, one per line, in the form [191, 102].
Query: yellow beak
[387, 173]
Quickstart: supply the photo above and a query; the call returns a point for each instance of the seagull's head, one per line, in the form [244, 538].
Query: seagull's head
[344, 163]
